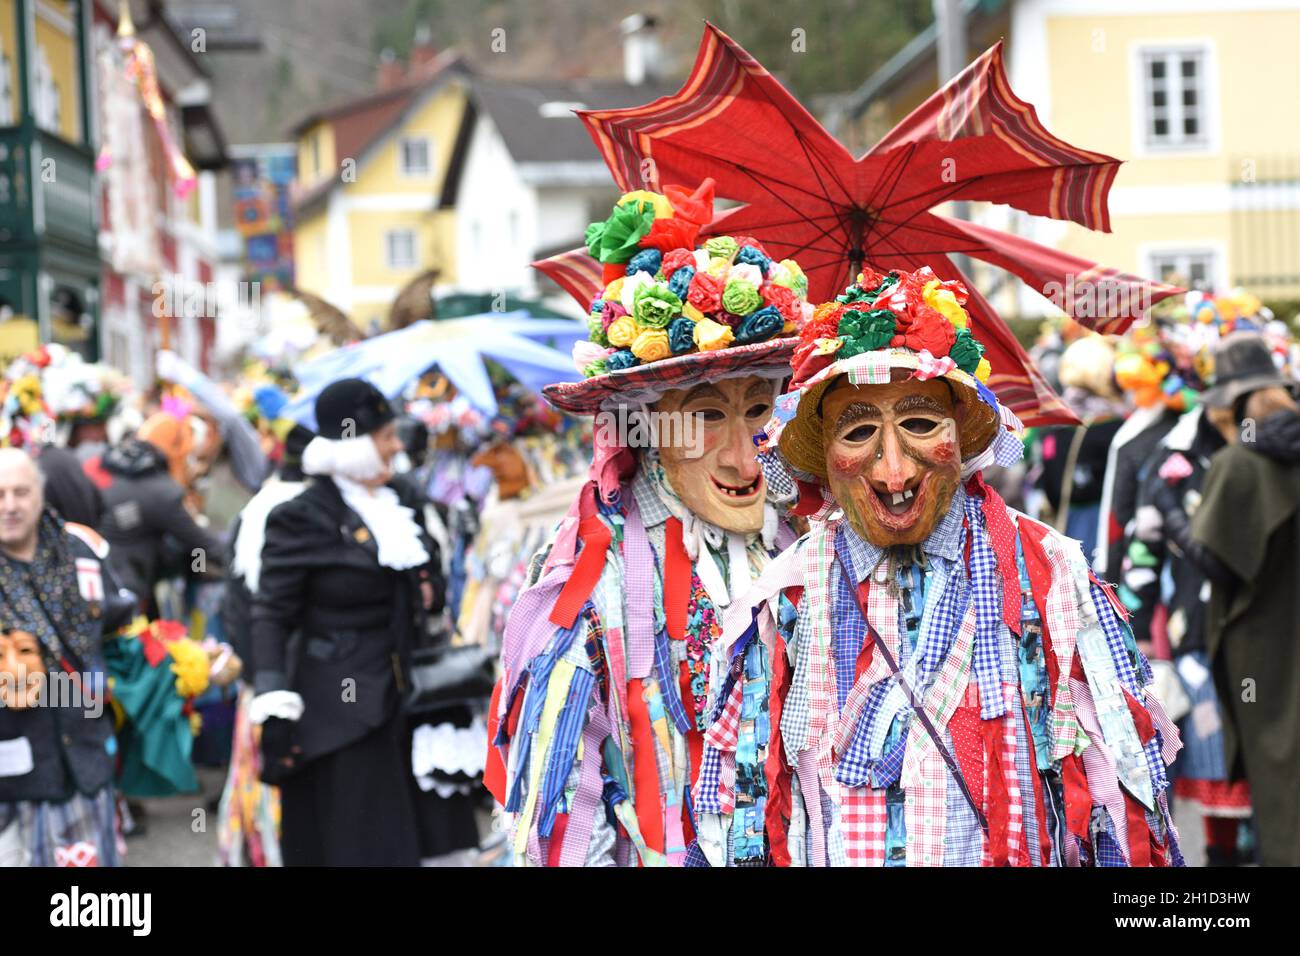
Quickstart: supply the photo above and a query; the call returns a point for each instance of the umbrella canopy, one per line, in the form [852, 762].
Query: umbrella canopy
[534, 351]
[806, 197]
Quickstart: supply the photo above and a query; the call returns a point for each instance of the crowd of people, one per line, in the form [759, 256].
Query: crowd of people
[863, 619]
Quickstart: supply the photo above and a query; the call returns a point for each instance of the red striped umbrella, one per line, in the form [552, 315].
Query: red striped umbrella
[806, 198]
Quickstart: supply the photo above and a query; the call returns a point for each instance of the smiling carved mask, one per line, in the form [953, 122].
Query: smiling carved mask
[712, 464]
[893, 458]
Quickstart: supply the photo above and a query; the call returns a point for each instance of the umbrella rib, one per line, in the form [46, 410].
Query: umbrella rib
[894, 171]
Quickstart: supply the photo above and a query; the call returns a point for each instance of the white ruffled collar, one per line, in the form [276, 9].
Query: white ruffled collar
[392, 524]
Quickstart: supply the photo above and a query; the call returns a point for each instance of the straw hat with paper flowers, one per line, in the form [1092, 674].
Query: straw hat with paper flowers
[673, 311]
[879, 325]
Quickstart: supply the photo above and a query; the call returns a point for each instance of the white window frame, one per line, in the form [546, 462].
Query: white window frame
[389, 236]
[1207, 141]
[402, 166]
[1214, 251]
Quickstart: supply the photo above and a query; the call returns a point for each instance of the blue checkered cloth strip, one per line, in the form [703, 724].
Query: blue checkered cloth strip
[710, 779]
[539, 675]
[564, 746]
[987, 586]
[1114, 629]
[945, 608]
[695, 856]
[888, 768]
[780, 486]
[668, 685]
[856, 764]
[847, 627]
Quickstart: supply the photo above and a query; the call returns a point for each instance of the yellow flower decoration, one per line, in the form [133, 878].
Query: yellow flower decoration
[690, 312]
[614, 290]
[794, 268]
[983, 370]
[828, 346]
[651, 345]
[945, 303]
[662, 207]
[718, 267]
[190, 664]
[622, 331]
[710, 335]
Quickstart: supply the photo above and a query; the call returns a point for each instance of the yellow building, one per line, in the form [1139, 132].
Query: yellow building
[375, 194]
[1196, 96]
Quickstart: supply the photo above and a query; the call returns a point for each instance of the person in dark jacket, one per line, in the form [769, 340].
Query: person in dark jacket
[145, 520]
[1249, 519]
[346, 565]
[68, 490]
[57, 746]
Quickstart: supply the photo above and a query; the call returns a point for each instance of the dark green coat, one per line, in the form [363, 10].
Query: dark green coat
[1250, 518]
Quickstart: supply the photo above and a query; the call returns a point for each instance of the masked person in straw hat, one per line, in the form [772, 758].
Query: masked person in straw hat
[609, 664]
[928, 677]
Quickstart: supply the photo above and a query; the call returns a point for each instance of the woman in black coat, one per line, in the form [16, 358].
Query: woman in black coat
[348, 571]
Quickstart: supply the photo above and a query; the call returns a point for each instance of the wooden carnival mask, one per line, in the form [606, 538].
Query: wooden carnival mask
[893, 458]
[712, 462]
[22, 670]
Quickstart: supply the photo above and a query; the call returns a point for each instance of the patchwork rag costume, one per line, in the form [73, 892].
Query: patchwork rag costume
[609, 667]
[974, 697]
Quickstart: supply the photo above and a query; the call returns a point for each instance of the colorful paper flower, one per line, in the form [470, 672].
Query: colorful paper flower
[647, 260]
[966, 351]
[656, 306]
[622, 331]
[983, 370]
[929, 331]
[721, 247]
[679, 258]
[663, 208]
[705, 292]
[751, 255]
[669, 234]
[680, 282]
[866, 331]
[620, 360]
[760, 325]
[944, 301]
[616, 239]
[611, 311]
[710, 335]
[596, 328]
[651, 345]
[681, 335]
[586, 353]
[740, 297]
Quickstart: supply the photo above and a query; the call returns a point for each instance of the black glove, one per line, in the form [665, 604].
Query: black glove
[281, 755]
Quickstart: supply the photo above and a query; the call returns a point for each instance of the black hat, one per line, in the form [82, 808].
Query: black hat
[1243, 364]
[350, 408]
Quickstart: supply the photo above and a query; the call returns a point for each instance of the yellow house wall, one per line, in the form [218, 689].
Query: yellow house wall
[310, 172]
[61, 51]
[309, 263]
[1094, 103]
[436, 119]
[435, 245]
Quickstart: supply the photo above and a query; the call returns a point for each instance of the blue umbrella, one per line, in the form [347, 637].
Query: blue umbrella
[457, 348]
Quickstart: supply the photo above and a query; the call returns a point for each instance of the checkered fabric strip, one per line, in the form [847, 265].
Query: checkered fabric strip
[862, 825]
[924, 777]
[724, 732]
[819, 557]
[794, 715]
[564, 747]
[854, 768]
[869, 368]
[708, 786]
[940, 621]
[1011, 722]
[727, 784]
[1113, 628]
[1061, 610]
[987, 586]
[848, 630]
[668, 684]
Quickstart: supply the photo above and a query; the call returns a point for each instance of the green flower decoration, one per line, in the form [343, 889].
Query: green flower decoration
[721, 247]
[597, 331]
[595, 368]
[740, 297]
[866, 331]
[966, 351]
[616, 239]
[655, 306]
